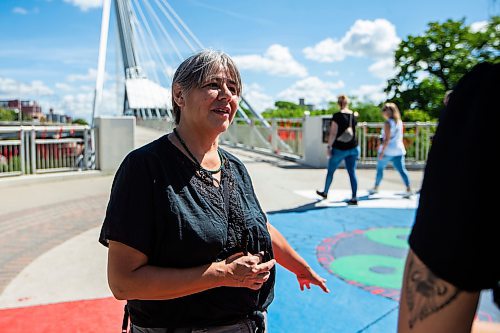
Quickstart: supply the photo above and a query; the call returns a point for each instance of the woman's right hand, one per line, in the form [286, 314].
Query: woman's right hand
[247, 271]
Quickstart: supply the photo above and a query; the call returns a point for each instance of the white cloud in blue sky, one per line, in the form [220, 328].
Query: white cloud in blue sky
[85, 4]
[260, 100]
[374, 93]
[19, 10]
[277, 60]
[364, 39]
[314, 90]
[383, 69]
[10, 87]
[285, 49]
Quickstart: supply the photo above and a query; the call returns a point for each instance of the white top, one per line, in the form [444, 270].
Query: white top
[395, 146]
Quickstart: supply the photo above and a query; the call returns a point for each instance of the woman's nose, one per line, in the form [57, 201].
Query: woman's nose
[225, 92]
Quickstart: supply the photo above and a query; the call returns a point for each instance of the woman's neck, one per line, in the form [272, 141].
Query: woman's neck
[199, 142]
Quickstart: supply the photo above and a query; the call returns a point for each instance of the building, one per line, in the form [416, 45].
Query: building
[26, 109]
[308, 107]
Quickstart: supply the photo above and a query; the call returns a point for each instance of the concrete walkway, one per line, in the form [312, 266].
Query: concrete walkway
[50, 256]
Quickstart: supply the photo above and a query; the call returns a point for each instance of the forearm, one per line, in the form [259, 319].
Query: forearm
[131, 277]
[429, 304]
[159, 283]
[284, 254]
[332, 134]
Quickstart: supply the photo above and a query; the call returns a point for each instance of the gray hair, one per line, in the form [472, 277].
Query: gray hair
[197, 69]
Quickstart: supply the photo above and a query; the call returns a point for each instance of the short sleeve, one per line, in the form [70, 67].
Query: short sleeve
[455, 232]
[130, 213]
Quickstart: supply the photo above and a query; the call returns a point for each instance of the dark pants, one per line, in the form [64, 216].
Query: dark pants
[242, 326]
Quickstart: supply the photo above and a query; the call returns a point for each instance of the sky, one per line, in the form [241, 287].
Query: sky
[285, 49]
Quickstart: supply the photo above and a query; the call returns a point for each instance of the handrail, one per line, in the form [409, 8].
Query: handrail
[32, 149]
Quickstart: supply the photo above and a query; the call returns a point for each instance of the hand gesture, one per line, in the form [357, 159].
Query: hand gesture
[247, 271]
[308, 277]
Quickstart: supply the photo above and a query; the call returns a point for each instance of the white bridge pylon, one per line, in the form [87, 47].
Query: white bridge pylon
[147, 73]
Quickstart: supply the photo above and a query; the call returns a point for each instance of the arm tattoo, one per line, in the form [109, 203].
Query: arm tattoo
[425, 292]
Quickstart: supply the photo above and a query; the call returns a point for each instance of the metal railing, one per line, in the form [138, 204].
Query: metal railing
[40, 149]
[286, 138]
[283, 138]
[417, 139]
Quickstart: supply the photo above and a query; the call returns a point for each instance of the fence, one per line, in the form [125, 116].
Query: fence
[285, 137]
[40, 149]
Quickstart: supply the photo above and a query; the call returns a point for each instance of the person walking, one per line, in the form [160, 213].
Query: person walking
[342, 146]
[392, 148]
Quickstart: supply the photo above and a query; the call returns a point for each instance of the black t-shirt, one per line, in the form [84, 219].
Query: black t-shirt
[162, 206]
[343, 121]
[456, 231]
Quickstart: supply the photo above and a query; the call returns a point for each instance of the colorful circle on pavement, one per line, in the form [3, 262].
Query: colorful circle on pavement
[371, 259]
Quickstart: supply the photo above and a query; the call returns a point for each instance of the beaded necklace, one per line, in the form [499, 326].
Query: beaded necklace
[212, 172]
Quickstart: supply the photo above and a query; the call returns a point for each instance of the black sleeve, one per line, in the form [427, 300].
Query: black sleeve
[455, 232]
[130, 212]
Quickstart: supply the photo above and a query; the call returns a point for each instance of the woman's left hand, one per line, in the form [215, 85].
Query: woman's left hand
[308, 277]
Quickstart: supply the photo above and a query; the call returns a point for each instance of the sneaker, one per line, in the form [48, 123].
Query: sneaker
[372, 191]
[322, 194]
[407, 194]
[352, 202]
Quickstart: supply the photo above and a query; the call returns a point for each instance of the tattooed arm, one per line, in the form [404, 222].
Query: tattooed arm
[431, 305]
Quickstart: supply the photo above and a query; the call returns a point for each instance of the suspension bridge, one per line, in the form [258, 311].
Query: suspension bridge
[53, 270]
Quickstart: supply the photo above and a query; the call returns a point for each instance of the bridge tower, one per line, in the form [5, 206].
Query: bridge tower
[143, 98]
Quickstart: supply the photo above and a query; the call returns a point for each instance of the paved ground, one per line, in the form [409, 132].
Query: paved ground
[50, 257]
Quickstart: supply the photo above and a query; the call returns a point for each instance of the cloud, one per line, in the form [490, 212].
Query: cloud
[276, 61]
[327, 50]
[257, 99]
[373, 93]
[90, 76]
[365, 38]
[332, 73]
[10, 88]
[479, 26]
[63, 87]
[85, 5]
[383, 69]
[80, 105]
[314, 91]
[19, 10]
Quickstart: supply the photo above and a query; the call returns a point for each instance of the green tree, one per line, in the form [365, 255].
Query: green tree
[7, 115]
[430, 64]
[415, 115]
[80, 121]
[285, 110]
[368, 111]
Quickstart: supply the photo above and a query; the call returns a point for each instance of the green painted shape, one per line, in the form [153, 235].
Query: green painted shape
[389, 236]
[357, 268]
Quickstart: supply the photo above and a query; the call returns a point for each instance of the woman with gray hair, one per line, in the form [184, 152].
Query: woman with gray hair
[190, 248]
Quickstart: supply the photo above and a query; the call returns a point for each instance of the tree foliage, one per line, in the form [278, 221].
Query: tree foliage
[430, 64]
[80, 121]
[367, 111]
[7, 115]
[285, 109]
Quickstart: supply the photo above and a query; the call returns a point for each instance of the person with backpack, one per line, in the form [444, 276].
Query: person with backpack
[342, 146]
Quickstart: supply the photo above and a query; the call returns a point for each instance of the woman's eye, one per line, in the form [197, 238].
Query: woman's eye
[233, 90]
[212, 85]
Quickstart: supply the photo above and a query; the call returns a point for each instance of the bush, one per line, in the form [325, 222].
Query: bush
[415, 115]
